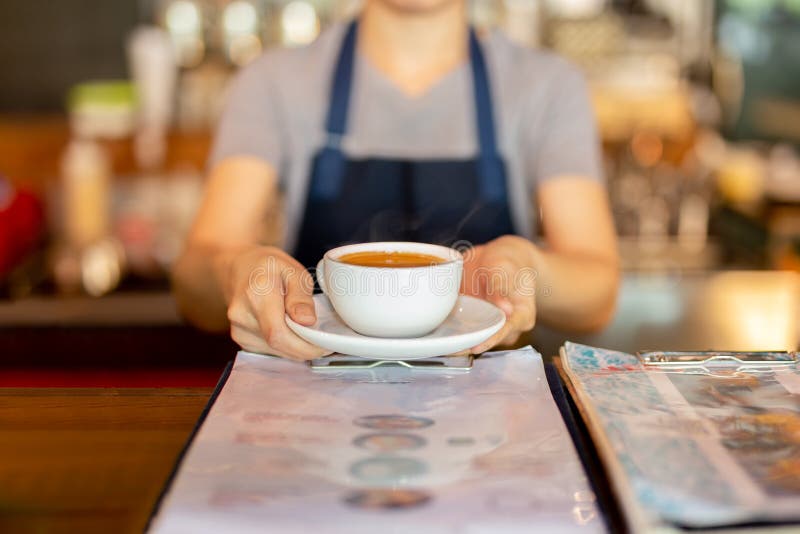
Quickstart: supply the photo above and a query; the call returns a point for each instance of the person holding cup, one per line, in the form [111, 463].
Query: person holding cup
[403, 125]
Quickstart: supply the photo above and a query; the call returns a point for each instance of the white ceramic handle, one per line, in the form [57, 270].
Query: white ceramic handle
[320, 273]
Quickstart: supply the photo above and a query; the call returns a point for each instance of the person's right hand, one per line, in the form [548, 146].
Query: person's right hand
[265, 283]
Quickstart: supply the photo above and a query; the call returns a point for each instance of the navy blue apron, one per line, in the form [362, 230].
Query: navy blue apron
[438, 201]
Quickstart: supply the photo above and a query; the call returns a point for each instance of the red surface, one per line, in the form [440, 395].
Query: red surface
[21, 225]
[110, 378]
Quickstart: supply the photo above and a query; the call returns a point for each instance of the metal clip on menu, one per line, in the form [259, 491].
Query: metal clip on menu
[706, 361]
[341, 362]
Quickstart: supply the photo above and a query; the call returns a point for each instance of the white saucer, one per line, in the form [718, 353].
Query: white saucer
[471, 322]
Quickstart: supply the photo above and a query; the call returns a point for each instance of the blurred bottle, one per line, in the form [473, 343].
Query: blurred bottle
[87, 257]
[154, 70]
[140, 223]
[85, 180]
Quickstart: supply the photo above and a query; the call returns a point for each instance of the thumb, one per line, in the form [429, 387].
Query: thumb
[503, 303]
[298, 301]
[497, 289]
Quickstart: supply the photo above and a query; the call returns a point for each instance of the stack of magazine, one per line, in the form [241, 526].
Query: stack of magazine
[694, 441]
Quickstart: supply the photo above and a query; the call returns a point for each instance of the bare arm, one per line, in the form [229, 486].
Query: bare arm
[578, 271]
[226, 279]
[237, 193]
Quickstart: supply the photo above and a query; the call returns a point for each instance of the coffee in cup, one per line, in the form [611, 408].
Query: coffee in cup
[391, 289]
[398, 259]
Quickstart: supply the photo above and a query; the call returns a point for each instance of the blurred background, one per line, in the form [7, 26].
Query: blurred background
[107, 110]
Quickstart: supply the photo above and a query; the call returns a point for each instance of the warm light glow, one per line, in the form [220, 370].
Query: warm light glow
[101, 268]
[185, 25]
[299, 23]
[575, 8]
[754, 310]
[183, 17]
[647, 148]
[240, 17]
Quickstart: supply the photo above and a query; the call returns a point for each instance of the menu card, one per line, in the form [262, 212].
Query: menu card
[693, 447]
[288, 449]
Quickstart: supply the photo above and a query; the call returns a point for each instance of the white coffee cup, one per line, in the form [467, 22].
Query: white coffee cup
[396, 302]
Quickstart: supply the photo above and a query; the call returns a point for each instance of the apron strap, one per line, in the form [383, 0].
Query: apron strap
[483, 97]
[336, 123]
[492, 172]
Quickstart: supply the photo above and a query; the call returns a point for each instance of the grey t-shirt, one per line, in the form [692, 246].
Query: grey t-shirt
[276, 110]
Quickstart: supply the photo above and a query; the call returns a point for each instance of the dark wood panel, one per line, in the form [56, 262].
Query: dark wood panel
[113, 347]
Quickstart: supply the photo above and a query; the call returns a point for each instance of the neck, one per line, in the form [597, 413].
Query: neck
[414, 49]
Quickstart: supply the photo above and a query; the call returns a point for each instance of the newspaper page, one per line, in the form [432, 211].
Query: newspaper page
[287, 449]
[694, 448]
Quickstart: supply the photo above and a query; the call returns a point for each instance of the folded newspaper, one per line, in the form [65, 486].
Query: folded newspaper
[287, 449]
[693, 447]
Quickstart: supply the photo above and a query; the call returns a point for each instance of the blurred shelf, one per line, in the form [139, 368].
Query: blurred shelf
[668, 255]
[31, 148]
[81, 336]
[119, 309]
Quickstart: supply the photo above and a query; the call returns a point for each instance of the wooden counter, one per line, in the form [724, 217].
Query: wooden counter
[94, 459]
[89, 460]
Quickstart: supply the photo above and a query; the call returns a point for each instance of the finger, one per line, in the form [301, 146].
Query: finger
[498, 288]
[504, 337]
[253, 341]
[524, 316]
[240, 314]
[299, 301]
[503, 303]
[521, 320]
[249, 340]
[471, 280]
[510, 339]
[489, 343]
[501, 334]
[493, 279]
[270, 312]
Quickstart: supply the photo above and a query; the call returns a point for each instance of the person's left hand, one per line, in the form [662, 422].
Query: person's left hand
[502, 272]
